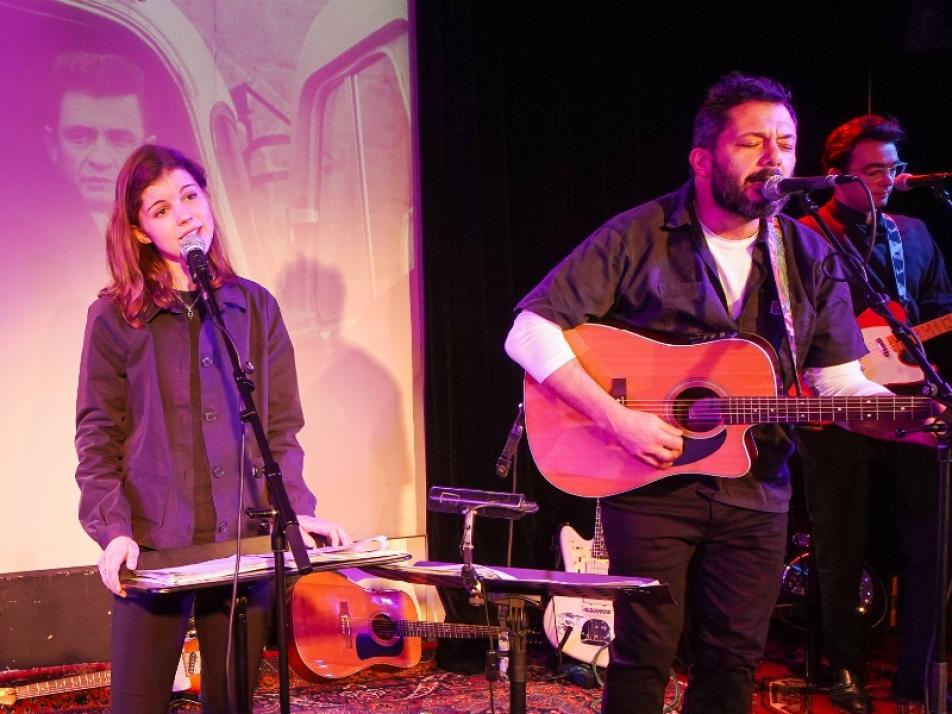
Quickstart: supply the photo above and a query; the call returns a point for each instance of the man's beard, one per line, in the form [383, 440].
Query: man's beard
[728, 192]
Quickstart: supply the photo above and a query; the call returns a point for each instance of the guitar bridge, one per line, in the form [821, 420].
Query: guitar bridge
[343, 614]
[619, 390]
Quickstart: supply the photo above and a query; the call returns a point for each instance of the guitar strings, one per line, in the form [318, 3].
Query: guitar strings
[707, 408]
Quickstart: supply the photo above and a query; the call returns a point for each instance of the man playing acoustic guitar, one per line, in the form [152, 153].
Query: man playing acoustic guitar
[698, 264]
[840, 467]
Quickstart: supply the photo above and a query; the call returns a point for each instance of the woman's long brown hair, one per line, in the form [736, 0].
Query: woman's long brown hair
[139, 275]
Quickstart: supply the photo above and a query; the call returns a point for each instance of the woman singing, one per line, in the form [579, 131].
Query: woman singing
[164, 460]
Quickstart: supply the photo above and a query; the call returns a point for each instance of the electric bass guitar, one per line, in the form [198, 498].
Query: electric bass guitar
[887, 362]
[585, 625]
[713, 391]
[337, 628]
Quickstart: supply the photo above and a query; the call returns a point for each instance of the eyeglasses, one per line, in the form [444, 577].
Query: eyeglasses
[877, 173]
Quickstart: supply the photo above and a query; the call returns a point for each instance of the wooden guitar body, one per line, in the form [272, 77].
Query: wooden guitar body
[339, 628]
[713, 391]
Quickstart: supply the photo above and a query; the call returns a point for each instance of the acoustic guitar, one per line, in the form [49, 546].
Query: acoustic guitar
[337, 628]
[714, 391]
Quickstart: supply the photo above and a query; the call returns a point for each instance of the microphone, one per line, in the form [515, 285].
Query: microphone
[193, 249]
[777, 187]
[492, 504]
[504, 462]
[907, 182]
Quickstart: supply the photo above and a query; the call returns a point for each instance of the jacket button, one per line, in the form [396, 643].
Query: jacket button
[222, 527]
[210, 415]
[207, 361]
[218, 472]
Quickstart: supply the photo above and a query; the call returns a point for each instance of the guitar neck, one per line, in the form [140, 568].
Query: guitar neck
[794, 410]
[599, 552]
[930, 329]
[75, 683]
[408, 628]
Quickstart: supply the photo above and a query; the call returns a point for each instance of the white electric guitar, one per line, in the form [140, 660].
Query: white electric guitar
[886, 361]
[589, 623]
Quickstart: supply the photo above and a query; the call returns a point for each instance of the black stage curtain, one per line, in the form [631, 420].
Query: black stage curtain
[539, 120]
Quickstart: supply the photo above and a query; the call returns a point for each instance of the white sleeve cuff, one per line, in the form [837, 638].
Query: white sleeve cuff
[537, 345]
[842, 380]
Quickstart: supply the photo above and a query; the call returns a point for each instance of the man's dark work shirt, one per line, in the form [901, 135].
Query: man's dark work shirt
[649, 269]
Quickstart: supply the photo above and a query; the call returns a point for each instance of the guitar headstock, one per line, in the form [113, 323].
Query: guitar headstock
[188, 675]
[8, 696]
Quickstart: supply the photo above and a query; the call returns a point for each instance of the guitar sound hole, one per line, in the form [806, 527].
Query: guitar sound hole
[383, 628]
[692, 414]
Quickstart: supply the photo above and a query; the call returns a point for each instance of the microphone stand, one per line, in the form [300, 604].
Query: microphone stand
[942, 195]
[285, 530]
[941, 392]
[508, 462]
[470, 503]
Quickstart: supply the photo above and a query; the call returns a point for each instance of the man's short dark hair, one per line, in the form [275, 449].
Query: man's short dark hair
[93, 73]
[728, 92]
[839, 146]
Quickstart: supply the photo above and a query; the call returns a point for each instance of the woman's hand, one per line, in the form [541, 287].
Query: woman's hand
[121, 549]
[331, 532]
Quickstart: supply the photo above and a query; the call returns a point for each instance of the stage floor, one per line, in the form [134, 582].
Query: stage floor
[427, 689]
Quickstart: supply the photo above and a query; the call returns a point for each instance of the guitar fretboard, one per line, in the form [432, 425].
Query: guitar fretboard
[599, 552]
[792, 410]
[75, 683]
[454, 630]
[926, 331]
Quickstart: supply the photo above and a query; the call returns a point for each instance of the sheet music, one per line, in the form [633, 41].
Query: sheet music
[482, 571]
[217, 570]
[499, 580]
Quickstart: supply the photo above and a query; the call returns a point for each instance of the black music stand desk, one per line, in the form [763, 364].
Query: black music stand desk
[192, 567]
[510, 587]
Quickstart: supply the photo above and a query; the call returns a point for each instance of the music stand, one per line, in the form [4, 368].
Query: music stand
[511, 586]
[149, 578]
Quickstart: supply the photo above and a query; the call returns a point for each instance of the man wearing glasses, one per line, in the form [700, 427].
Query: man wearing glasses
[841, 469]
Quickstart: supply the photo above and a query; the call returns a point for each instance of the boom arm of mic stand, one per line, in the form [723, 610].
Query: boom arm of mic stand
[942, 194]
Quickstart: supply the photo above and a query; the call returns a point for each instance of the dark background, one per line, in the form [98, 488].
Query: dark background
[539, 120]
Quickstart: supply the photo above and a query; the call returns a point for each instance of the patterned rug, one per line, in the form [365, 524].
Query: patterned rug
[426, 689]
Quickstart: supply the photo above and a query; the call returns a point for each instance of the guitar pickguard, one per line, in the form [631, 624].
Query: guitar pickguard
[696, 450]
[596, 632]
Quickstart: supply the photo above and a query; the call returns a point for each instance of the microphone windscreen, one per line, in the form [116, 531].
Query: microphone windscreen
[192, 242]
[902, 182]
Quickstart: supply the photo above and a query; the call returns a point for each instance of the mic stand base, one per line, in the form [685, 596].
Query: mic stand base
[939, 669]
[939, 688]
[278, 547]
[512, 612]
[239, 690]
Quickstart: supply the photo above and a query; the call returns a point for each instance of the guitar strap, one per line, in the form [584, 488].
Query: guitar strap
[778, 264]
[898, 261]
